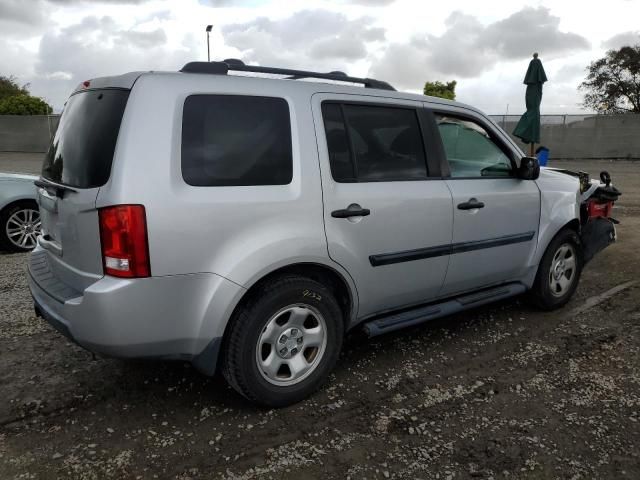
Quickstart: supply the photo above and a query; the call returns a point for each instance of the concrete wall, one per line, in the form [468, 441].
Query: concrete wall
[27, 133]
[566, 136]
[584, 136]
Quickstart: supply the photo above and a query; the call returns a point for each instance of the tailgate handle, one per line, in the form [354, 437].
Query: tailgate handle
[50, 245]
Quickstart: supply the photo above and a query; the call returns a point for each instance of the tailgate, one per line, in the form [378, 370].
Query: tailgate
[77, 164]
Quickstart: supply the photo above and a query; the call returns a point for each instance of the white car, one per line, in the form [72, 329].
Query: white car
[19, 215]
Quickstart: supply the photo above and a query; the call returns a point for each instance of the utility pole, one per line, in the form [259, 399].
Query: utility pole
[209, 27]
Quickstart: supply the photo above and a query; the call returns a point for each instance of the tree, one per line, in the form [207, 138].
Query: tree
[16, 99]
[442, 90]
[9, 87]
[24, 105]
[613, 82]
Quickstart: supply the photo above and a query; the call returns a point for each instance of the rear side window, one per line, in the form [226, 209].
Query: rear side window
[81, 153]
[232, 140]
[373, 143]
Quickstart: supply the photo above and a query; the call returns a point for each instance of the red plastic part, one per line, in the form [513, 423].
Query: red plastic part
[596, 209]
[123, 235]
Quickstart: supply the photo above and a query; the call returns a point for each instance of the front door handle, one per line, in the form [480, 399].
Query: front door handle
[353, 210]
[472, 204]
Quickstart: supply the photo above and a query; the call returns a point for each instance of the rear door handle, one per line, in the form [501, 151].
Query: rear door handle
[472, 204]
[354, 210]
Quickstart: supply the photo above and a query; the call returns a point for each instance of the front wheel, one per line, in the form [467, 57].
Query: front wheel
[559, 271]
[283, 342]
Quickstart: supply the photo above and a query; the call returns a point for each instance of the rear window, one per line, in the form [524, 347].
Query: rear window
[82, 150]
[232, 140]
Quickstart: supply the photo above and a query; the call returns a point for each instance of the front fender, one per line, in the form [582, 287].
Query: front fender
[559, 206]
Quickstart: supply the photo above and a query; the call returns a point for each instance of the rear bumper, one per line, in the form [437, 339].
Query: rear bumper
[174, 317]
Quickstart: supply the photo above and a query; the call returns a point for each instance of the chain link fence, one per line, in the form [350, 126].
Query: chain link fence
[584, 136]
[566, 136]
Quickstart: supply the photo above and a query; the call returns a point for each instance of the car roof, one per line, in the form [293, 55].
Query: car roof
[309, 85]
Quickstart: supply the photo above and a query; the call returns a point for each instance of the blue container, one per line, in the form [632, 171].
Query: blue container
[543, 156]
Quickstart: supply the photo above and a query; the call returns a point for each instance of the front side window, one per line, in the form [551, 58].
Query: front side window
[373, 143]
[470, 150]
[232, 140]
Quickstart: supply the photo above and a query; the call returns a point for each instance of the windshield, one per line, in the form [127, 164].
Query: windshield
[82, 150]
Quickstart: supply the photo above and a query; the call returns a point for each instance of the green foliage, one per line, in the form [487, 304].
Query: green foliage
[16, 99]
[9, 88]
[613, 82]
[442, 90]
[24, 104]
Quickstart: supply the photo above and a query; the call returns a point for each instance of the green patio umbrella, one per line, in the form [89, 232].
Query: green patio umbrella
[528, 128]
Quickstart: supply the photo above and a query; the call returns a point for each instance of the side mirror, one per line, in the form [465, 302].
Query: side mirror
[529, 168]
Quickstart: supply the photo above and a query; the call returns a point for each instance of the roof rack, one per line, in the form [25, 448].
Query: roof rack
[232, 64]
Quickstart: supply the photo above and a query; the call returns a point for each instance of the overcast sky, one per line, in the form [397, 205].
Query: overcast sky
[484, 45]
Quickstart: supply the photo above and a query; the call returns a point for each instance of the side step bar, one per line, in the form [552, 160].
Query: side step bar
[423, 314]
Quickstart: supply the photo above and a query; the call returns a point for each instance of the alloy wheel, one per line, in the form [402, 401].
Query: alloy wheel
[23, 227]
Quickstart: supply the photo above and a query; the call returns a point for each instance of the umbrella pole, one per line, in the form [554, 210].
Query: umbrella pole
[531, 152]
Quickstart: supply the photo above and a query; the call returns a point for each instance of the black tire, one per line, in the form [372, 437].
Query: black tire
[542, 294]
[239, 363]
[5, 215]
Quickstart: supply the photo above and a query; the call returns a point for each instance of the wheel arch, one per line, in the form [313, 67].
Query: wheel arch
[573, 224]
[342, 288]
[17, 201]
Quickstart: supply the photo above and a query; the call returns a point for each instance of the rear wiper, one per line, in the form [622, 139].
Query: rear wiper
[57, 188]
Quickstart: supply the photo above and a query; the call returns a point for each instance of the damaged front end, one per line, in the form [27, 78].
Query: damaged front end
[597, 198]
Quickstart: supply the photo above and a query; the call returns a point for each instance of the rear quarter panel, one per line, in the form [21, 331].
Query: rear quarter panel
[239, 233]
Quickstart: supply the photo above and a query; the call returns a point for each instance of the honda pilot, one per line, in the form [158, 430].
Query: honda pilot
[245, 218]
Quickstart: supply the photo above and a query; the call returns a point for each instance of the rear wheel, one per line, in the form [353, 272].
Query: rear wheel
[20, 226]
[282, 344]
[559, 271]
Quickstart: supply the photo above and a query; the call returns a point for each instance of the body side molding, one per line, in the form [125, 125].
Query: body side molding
[440, 250]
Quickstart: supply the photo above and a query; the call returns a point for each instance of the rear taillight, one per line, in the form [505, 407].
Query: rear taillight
[123, 235]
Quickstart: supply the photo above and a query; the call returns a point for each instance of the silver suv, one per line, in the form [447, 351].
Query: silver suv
[247, 222]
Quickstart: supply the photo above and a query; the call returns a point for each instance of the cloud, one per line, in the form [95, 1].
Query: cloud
[229, 3]
[468, 48]
[98, 46]
[304, 39]
[21, 12]
[20, 18]
[142, 39]
[529, 30]
[371, 3]
[16, 61]
[622, 40]
[569, 72]
[119, 2]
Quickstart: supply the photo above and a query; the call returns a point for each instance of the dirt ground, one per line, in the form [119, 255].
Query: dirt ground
[503, 391]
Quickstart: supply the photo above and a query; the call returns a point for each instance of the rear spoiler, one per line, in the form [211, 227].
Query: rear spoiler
[124, 82]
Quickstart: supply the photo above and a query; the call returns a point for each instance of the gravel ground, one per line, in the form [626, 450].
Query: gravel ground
[503, 391]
